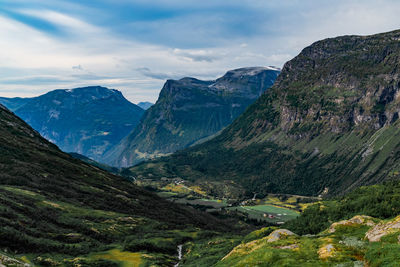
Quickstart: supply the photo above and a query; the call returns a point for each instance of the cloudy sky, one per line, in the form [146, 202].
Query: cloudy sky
[134, 46]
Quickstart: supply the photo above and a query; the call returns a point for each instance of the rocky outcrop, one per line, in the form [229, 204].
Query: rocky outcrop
[279, 234]
[291, 247]
[355, 221]
[326, 251]
[249, 247]
[383, 229]
[8, 261]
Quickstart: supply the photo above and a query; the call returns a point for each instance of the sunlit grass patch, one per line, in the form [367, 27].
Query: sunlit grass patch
[125, 258]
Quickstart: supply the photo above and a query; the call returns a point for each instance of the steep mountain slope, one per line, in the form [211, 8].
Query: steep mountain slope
[54, 207]
[328, 125]
[105, 167]
[145, 105]
[86, 120]
[189, 110]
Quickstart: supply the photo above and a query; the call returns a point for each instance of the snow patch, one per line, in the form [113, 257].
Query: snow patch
[54, 114]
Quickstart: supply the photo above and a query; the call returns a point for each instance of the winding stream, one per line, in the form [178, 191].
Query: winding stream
[179, 249]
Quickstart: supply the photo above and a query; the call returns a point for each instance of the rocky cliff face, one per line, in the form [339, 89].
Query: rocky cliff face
[86, 120]
[189, 110]
[329, 124]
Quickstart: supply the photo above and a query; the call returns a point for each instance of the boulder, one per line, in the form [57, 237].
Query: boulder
[382, 229]
[326, 251]
[278, 235]
[8, 261]
[292, 247]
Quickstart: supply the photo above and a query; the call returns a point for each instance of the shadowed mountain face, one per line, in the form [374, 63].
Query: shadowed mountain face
[86, 120]
[329, 124]
[53, 203]
[189, 111]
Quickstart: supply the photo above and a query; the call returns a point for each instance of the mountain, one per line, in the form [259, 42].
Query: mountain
[15, 102]
[99, 165]
[327, 126]
[189, 110]
[145, 105]
[56, 210]
[87, 120]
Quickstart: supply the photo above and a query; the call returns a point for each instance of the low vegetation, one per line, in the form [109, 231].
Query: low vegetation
[380, 201]
[59, 211]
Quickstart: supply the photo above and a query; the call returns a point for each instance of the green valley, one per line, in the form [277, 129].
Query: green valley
[272, 208]
[59, 211]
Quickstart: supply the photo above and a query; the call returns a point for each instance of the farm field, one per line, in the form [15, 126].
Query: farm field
[269, 213]
[272, 208]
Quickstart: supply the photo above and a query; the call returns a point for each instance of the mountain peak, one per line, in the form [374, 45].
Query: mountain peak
[330, 123]
[145, 105]
[190, 110]
[248, 71]
[91, 92]
[87, 120]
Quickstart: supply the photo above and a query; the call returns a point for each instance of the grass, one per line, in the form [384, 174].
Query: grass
[257, 212]
[126, 259]
[201, 202]
[209, 251]
[57, 210]
[167, 194]
[274, 210]
[346, 246]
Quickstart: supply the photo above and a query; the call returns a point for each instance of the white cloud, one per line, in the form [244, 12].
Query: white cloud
[63, 20]
[33, 61]
[77, 67]
[197, 55]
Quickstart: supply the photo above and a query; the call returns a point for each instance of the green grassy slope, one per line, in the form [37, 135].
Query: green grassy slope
[331, 233]
[54, 207]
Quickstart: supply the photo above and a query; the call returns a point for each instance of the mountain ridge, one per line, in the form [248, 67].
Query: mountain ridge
[86, 120]
[188, 110]
[328, 124]
[145, 105]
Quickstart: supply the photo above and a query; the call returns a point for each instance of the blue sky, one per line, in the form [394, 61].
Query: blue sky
[134, 46]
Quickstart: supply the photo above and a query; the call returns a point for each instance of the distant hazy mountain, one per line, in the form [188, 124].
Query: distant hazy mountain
[14, 103]
[189, 110]
[86, 120]
[145, 105]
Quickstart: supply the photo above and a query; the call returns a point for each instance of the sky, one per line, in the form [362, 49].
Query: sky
[135, 45]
